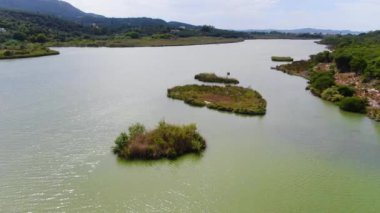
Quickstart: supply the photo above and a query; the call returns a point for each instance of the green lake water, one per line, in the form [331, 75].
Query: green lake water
[59, 116]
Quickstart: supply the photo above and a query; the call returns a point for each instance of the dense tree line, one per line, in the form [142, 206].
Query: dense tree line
[359, 54]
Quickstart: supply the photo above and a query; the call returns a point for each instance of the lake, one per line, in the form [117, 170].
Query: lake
[59, 116]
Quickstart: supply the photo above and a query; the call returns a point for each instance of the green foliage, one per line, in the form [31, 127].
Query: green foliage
[213, 78]
[133, 35]
[135, 130]
[358, 64]
[319, 81]
[40, 38]
[282, 59]
[24, 50]
[359, 54]
[322, 57]
[120, 142]
[234, 99]
[8, 53]
[163, 36]
[346, 91]
[296, 68]
[20, 36]
[353, 104]
[166, 141]
[207, 28]
[332, 94]
[372, 70]
[374, 113]
[343, 62]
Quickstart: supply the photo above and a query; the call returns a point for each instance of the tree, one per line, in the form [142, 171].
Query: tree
[321, 81]
[19, 36]
[323, 57]
[133, 35]
[207, 28]
[358, 64]
[343, 62]
[353, 104]
[40, 38]
[346, 91]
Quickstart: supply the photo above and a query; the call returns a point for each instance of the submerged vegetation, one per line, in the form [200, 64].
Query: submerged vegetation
[227, 98]
[213, 78]
[166, 141]
[282, 59]
[348, 76]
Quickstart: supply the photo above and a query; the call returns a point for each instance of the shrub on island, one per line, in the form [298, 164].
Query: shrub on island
[346, 91]
[353, 104]
[227, 98]
[332, 94]
[213, 78]
[320, 81]
[166, 141]
[282, 59]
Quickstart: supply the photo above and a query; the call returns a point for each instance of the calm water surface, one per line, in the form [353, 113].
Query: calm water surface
[59, 116]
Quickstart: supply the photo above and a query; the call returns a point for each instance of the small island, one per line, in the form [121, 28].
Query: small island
[239, 100]
[166, 141]
[282, 59]
[25, 51]
[213, 78]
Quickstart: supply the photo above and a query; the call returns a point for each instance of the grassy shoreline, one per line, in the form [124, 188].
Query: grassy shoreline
[346, 90]
[31, 50]
[146, 42]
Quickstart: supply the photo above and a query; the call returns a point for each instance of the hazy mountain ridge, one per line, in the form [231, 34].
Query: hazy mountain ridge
[65, 10]
[57, 8]
[307, 31]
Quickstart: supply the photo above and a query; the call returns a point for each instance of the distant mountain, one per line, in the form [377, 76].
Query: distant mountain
[307, 31]
[62, 9]
[57, 8]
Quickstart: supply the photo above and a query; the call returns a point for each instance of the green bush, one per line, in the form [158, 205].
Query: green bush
[120, 142]
[133, 35]
[135, 130]
[353, 104]
[163, 36]
[166, 141]
[322, 57]
[282, 59]
[346, 91]
[332, 94]
[8, 53]
[213, 78]
[358, 64]
[343, 62]
[319, 81]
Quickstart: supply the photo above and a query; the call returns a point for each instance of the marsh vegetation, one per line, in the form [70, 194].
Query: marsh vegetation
[227, 98]
[166, 141]
[213, 78]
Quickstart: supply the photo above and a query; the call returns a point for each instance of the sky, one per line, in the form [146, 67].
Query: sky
[359, 15]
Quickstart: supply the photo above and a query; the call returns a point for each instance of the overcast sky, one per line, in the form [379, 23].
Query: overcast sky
[247, 14]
